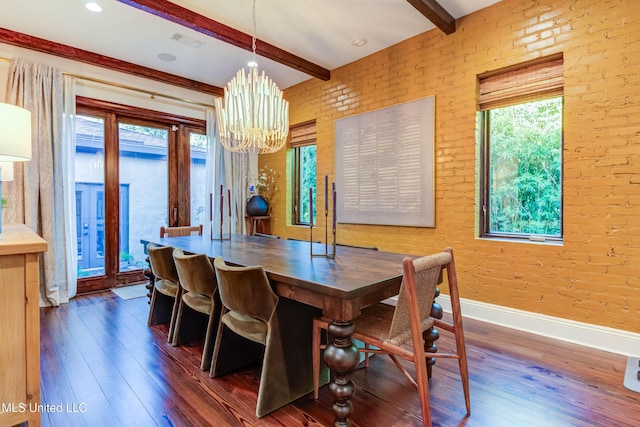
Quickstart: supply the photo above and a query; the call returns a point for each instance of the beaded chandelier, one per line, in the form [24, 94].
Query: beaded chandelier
[253, 117]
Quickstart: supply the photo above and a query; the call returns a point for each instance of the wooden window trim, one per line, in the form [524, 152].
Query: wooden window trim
[300, 135]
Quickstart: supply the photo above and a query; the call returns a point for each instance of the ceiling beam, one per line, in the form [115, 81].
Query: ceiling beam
[46, 46]
[435, 13]
[200, 23]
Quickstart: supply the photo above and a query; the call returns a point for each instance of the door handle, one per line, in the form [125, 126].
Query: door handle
[175, 216]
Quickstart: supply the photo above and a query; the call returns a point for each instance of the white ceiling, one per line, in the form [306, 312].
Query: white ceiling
[320, 31]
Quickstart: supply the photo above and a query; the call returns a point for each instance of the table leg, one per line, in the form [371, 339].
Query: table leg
[432, 335]
[341, 356]
[152, 280]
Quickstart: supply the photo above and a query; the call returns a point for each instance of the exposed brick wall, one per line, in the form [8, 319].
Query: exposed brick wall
[594, 276]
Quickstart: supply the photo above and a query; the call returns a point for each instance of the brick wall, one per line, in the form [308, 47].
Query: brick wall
[594, 276]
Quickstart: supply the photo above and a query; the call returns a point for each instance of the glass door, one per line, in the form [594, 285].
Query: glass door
[89, 190]
[144, 174]
[132, 171]
[198, 177]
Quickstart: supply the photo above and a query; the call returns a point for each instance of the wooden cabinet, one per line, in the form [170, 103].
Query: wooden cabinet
[19, 325]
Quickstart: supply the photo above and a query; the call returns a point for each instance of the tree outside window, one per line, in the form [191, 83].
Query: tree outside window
[522, 148]
[304, 166]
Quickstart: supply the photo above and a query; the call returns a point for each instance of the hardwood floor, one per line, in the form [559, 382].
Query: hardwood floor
[104, 367]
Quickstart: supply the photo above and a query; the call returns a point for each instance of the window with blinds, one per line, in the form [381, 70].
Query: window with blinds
[302, 141]
[521, 143]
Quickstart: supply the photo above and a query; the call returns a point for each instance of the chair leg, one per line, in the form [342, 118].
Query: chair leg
[366, 355]
[151, 320]
[422, 380]
[177, 336]
[315, 343]
[464, 369]
[174, 314]
[216, 345]
[209, 341]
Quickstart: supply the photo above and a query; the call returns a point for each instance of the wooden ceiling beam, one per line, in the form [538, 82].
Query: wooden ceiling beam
[200, 23]
[52, 48]
[435, 13]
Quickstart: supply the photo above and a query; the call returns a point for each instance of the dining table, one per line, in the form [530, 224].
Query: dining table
[340, 286]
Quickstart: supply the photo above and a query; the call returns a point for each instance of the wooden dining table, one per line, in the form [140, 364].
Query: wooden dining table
[341, 287]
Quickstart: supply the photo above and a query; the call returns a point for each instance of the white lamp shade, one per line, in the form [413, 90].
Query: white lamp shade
[15, 133]
[6, 171]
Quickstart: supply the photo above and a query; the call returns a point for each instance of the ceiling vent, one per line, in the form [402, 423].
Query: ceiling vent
[186, 40]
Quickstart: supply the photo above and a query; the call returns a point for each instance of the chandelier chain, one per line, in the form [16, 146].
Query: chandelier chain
[253, 39]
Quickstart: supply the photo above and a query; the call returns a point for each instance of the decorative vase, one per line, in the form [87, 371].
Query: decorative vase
[257, 206]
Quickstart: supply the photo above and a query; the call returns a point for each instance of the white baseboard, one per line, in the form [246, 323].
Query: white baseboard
[594, 336]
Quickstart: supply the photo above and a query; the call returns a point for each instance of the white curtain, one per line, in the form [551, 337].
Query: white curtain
[38, 195]
[214, 166]
[241, 170]
[69, 184]
[235, 172]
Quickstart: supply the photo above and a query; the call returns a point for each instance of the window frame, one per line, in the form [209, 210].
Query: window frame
[485, 184]
[301, 135]
[297, 190]
[531, 81]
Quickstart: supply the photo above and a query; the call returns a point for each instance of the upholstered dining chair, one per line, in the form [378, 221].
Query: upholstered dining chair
[186, 230]
[163, 308]
[199, 295]
[398, 331]
[256, 323]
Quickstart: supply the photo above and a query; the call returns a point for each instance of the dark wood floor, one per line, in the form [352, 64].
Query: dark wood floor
[100, 358]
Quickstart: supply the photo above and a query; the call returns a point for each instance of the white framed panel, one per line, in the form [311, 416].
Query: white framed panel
[385, 166]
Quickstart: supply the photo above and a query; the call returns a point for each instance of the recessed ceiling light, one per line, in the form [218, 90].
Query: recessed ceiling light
[93, 7]
[166, 57]
[359, 42]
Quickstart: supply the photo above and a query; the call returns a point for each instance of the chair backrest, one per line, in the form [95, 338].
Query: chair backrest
[186, 230]
[195, 272]
[245, 290]
[413, 309]
[161, 261]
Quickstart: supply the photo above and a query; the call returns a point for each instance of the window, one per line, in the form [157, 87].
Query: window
[198, 177]
[521, 116]
[303, 143]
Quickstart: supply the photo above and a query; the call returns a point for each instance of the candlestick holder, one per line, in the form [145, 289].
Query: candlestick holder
[326, 254]
[221, 235]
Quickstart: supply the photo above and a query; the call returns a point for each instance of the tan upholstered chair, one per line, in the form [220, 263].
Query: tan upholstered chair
[254, 320]
[163, 308]
[186, 230]
[199, 289]
[398, 331]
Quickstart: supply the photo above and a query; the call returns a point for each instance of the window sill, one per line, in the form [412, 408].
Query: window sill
[534, 240]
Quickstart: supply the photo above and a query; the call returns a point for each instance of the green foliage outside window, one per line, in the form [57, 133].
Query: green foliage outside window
[307, 180]
[525, 182]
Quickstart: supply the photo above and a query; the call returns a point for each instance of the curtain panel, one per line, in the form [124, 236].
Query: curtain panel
[38, 195]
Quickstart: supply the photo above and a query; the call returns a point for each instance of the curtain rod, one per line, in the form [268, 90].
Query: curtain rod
[121, 86]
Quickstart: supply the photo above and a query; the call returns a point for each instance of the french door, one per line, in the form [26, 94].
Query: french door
[132, 176]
